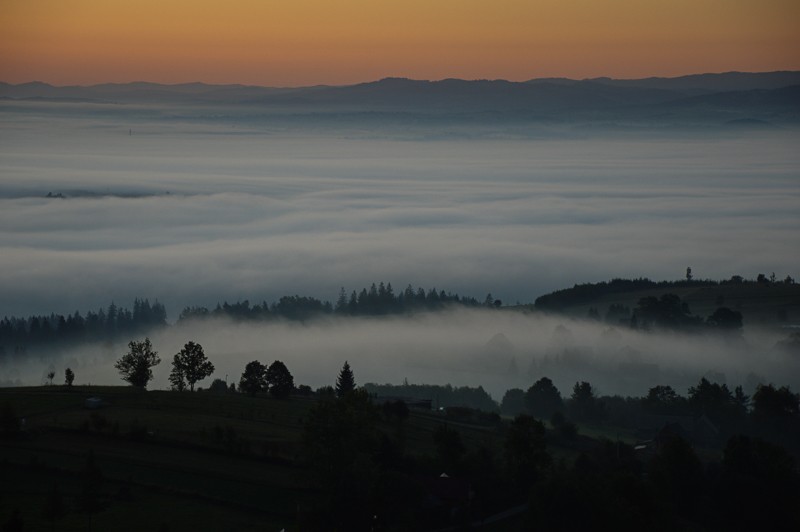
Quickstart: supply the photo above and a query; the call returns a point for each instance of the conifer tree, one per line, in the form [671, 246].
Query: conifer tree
[346, 382]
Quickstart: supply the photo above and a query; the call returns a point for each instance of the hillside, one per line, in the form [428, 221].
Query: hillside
[199, 461]
[771, 304]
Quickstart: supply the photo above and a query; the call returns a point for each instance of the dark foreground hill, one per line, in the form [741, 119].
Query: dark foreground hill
[157, 460]
[112, 458]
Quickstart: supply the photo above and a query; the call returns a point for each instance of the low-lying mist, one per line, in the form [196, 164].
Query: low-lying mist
[195, 212]
[497, 349]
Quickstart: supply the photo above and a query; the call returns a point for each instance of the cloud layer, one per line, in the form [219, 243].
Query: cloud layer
[197, 212]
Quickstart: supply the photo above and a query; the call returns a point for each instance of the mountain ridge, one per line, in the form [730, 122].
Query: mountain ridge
[768, 97]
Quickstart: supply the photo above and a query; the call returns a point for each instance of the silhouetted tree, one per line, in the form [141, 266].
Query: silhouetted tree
[667, 312]
[346, 382]
[584, 406]
[663, 400]
[775, 403]
[218, 386]
[50, 376]
[543, 399]
[69, 377]
[513, 402]
[135, 366]
[176, 377]
[725, 319]
[254, 378]
[716, 401]
[279, 380]
[525, 449]
[191, 364]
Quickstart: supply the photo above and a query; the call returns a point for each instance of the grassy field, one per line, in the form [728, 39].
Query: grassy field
[176, 461]
[158, 460]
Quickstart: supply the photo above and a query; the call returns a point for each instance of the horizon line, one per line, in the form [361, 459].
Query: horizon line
[385, 78]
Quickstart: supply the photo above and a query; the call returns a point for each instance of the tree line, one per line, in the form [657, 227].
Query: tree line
[19, 334]
[377, 300]
[191, 365]
[368, 477]
[111, 323]
[587, 292]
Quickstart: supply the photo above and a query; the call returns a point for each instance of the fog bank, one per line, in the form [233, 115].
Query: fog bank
[497, 349]
[192, 212]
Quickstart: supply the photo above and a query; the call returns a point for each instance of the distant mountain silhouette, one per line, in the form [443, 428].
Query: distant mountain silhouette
[769, 97]
[705, 83]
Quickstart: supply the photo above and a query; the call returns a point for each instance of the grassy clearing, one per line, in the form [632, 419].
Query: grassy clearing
[190, 460]
[181, 461]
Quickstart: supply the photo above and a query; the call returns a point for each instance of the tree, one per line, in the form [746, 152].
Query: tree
[584, 406]
[666, 312]
[346, 382]
[191, 364]
[254, 378]
[543, 399]
[714, 400]
[525, 448]
[513, 402]
[279, 380]
[69, 377]
[664, 400]
[135, 366]
[218, 386]
[50, 376]
[770, 402]
[725, 319]
[176, 376]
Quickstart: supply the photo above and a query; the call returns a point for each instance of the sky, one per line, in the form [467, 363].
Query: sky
[307, 42]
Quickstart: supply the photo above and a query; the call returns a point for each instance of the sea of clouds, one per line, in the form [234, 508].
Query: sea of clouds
[195, 211]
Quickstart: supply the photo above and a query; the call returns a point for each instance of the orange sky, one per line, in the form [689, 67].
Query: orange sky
[304, 42]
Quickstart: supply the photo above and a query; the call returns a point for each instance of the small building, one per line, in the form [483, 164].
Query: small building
[93, 403]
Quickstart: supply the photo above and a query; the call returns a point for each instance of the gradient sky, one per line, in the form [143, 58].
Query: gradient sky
[306, 42]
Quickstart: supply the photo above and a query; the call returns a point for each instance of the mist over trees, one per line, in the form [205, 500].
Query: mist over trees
[111, 323]
[585, 292]
[377, 300]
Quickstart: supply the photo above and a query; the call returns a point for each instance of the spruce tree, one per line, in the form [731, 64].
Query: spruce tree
[346, 383]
